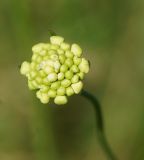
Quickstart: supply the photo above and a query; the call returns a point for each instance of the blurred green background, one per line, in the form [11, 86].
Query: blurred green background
[111, 34]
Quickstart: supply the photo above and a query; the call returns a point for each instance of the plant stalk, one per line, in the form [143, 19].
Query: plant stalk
[99, 125]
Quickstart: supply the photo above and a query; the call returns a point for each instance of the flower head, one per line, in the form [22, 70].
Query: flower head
[56, 70]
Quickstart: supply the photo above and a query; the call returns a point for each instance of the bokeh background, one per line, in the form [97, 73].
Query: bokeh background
[111, 34]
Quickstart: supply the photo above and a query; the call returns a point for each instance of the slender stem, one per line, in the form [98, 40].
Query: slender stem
[99, 125]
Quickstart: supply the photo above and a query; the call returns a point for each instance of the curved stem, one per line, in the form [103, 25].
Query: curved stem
[99, 125]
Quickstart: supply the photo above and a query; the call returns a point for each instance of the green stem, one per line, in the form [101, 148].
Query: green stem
[51, 32]
[99, 125]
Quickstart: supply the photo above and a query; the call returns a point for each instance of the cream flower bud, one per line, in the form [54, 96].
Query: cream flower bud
[51, 93]
[55, 85]
[84, 66]
[42, 53]
[34, 57]
[69, 91]
[25, 68]
[69, 62]
[48, 69]
[60, 100]
[57, 66]
[74, 68]
[61, 91]
[69, 54]
[32, 74]
[44, 98]
[60, 76]
[76, 50]
[33, 65]
[56, 40]
[38, 47]
[75, 79]
[62, 59]
[42, 73]
[60, 51]
[30, 85]
[56, 70]
[65, 83]
[44, 88]
[77, 87]
[65, 46]
[63, 68]
[68, 75]
[52, 77]
[76, 60]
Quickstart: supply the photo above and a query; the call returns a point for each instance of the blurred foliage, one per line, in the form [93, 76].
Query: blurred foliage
[112, 35]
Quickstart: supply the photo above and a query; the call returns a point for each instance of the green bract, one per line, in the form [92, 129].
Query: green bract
[56, 70]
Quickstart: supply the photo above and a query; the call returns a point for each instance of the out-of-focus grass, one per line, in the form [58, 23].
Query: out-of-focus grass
[111, 33]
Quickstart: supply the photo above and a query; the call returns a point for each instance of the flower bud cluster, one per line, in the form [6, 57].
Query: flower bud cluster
[56, 70]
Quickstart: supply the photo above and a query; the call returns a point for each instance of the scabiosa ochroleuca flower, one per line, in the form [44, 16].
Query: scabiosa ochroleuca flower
[56, 70]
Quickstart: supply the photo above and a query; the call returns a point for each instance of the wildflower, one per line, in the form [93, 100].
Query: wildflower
[56, 70]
